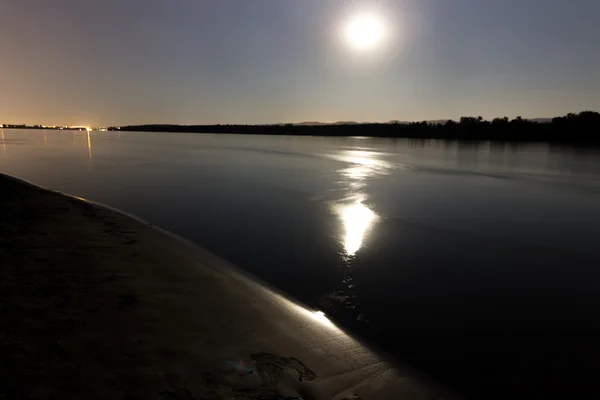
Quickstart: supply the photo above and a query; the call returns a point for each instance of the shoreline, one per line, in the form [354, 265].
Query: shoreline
[578, 142]
[208, 257]
[99, 303]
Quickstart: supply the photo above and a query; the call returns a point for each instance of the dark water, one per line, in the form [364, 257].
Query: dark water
[479, 263]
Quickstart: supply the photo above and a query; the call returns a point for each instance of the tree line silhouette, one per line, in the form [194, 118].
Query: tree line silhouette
[572, 128]
[582, 128]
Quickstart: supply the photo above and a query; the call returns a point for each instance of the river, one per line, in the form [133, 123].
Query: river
[461, 258]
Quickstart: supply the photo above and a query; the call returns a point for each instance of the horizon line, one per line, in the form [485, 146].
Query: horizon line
[339, 122]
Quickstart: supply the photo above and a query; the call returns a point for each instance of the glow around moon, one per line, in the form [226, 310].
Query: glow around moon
[364, 31]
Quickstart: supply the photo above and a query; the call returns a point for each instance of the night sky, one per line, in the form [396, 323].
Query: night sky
[115, 62]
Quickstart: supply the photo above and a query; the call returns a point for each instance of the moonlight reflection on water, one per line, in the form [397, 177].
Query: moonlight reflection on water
[357, 220]
[356, 217]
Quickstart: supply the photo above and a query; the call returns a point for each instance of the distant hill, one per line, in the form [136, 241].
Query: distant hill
[316, 123]
[350, 123]
[311, 123]
[395, 121]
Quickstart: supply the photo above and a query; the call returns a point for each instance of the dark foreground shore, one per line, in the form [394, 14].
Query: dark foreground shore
[97, 305]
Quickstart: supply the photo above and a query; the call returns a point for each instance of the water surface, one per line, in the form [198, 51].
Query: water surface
[437, 250]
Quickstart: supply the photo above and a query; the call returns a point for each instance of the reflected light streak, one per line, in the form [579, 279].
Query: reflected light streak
[357, 219]
[313, 318]
[320, 317]
[357, 172]
[89, 142]
[363, 164]
[3, 141]
[45, 140]
[317, 316]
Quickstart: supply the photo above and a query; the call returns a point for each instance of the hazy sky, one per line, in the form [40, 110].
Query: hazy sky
[114, 62]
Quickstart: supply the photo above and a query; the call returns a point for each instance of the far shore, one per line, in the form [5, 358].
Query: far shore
[572, 129]
[98, 305]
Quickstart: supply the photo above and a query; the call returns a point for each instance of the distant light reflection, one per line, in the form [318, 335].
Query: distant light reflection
[3, 141]
[89, 143]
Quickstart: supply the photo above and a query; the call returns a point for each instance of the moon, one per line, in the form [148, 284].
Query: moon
[364, 31]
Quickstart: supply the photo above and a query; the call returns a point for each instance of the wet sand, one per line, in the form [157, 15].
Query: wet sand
[99, 305]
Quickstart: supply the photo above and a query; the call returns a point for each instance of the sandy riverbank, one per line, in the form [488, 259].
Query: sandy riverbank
[96, 304]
